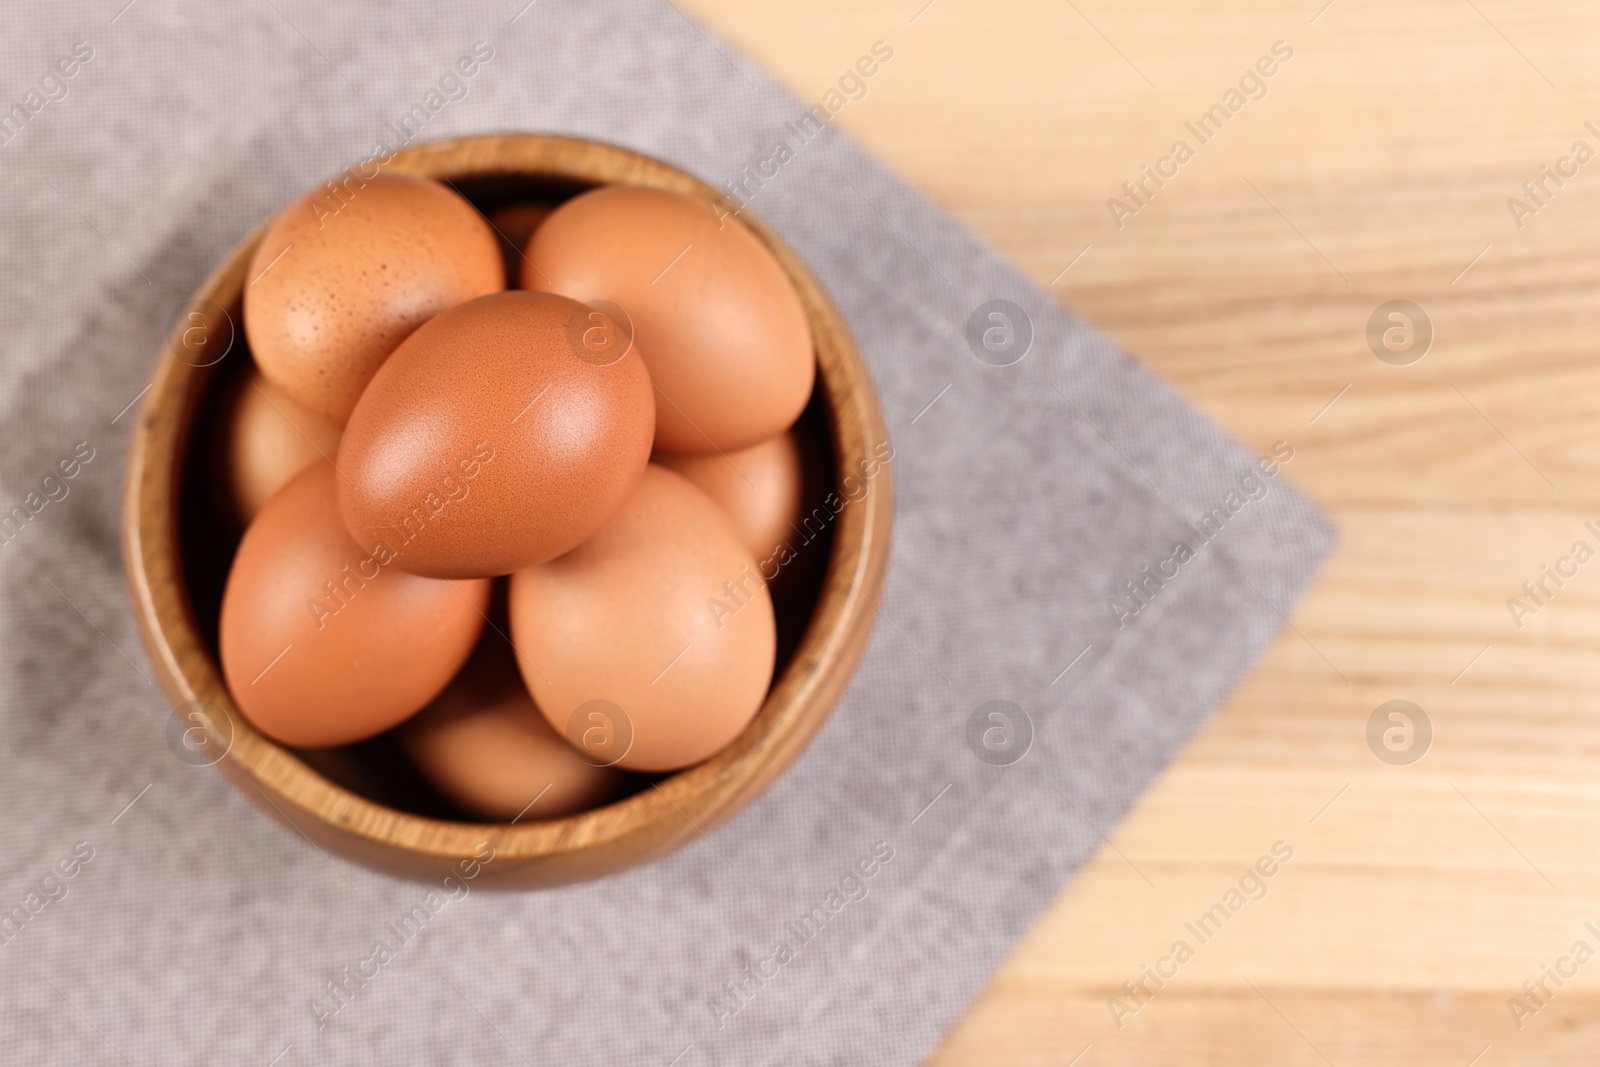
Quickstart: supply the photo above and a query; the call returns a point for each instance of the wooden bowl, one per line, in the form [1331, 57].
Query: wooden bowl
[176, 557]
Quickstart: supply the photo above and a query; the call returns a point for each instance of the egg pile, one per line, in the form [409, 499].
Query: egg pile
[511, 484]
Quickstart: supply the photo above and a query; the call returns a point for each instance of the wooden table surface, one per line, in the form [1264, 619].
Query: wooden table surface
[1377, 166]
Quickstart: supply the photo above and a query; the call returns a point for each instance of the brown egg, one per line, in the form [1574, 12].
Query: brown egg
[485, 746]
[493, 439]
[512, 226]
[657, 629]
[325, 642]
[760, 488]
[266, 439]
[713, 313]
[348, 270]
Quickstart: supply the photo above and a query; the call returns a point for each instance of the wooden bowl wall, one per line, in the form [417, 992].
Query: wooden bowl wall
[175, 564]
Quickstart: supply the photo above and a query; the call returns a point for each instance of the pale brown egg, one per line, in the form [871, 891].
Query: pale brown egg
[760, 488]
[499, 435]
[266, 439]
[713, 313]
[485, 747]
[513, 225]
[324, 641]
[655, 637]
[346, 272]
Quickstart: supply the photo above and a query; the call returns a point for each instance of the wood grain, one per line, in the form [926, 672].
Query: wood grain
[1378, 166]
[638, 828]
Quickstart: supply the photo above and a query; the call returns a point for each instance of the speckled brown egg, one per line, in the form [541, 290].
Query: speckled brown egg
[325, 641]
[659, 619]
[498, 436]
[485, 747]
[714, 315]
[346, 272]
[265, 440]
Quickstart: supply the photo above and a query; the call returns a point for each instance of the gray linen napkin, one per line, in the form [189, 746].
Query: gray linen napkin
[895, 864]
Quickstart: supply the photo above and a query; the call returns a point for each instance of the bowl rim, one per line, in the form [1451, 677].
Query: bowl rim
[634, 829]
